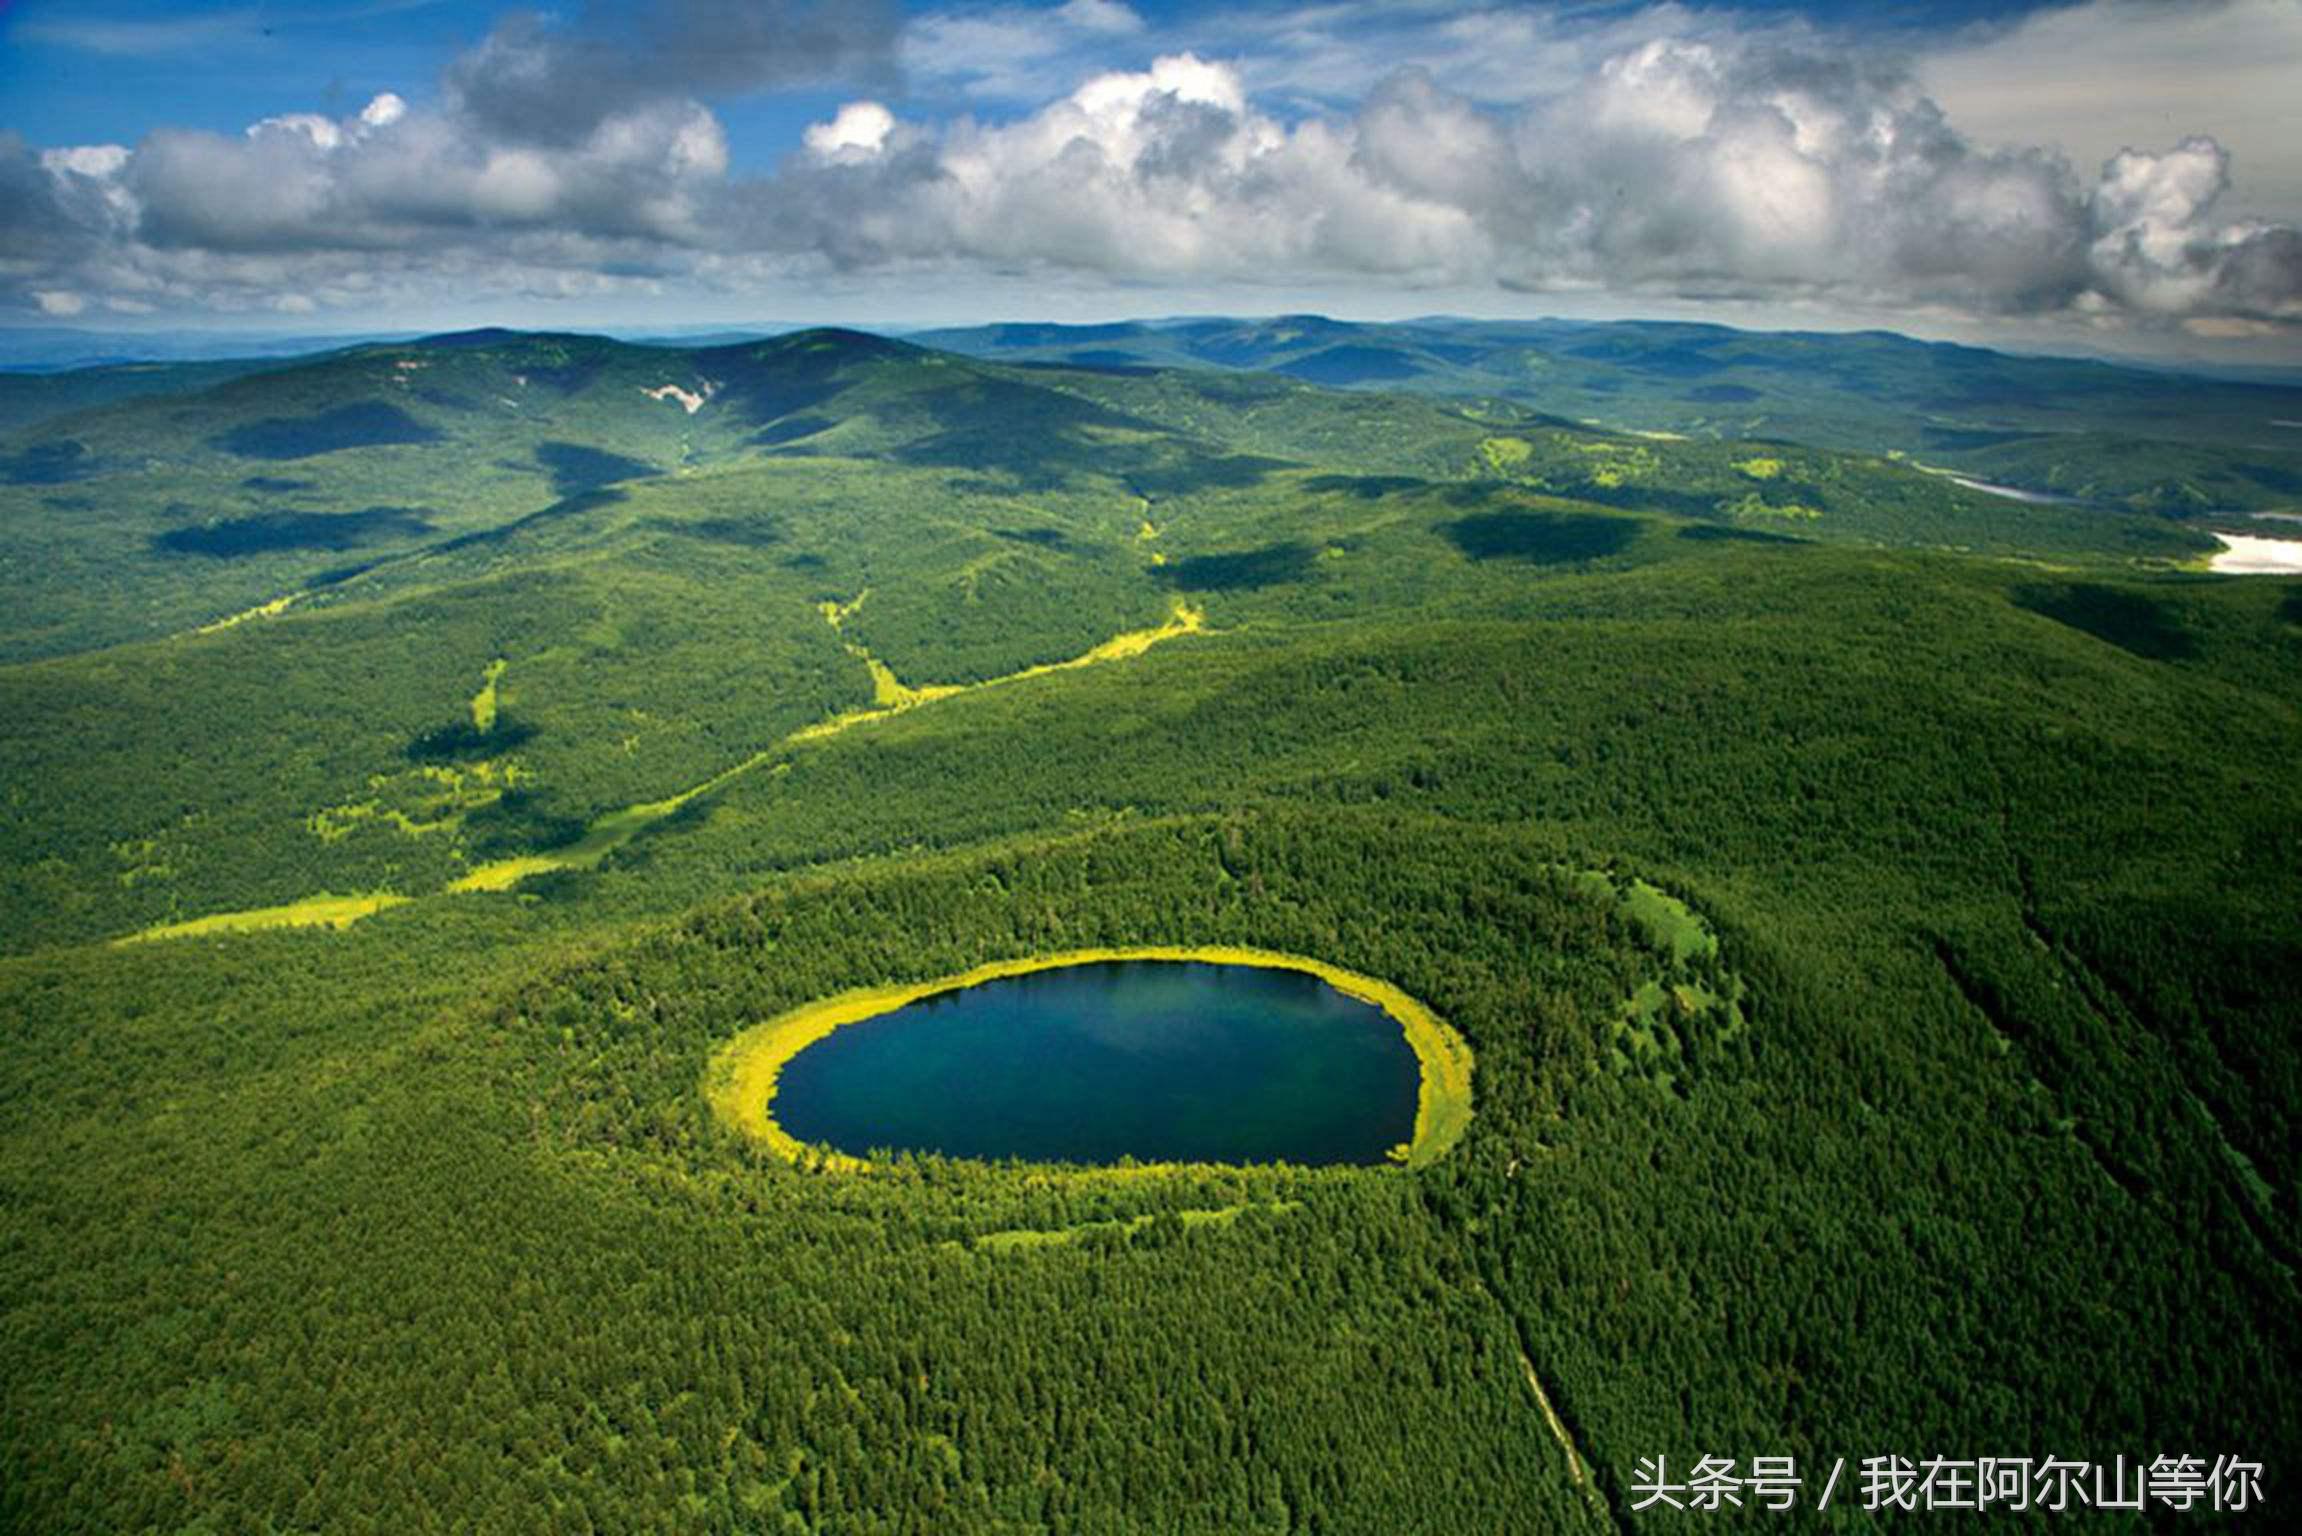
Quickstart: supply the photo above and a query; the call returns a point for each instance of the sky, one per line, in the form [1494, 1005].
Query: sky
[2106, 175]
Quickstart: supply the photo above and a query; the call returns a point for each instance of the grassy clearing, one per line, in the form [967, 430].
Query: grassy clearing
[1670, 925]
[1506, 454]
[1651, 1038]
[891, 693]
[741, 1081]
[1755, 505]
[419, 802]
[338, 912]
[504, 874]
[1670, 922]
[484, 702]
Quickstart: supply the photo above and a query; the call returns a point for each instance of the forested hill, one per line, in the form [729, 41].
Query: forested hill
[1869, 905]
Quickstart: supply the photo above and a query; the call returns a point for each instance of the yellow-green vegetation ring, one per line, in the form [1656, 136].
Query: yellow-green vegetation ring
[741, 1080]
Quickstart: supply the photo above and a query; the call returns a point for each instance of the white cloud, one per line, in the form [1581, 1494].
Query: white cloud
[383, 111]
[859, 128]
[1161, 172]
[322, 131]
[87, 159]
[2156, 248]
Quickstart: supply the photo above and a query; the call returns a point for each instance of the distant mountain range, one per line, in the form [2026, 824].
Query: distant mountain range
[2092, 431]
[2146, 439]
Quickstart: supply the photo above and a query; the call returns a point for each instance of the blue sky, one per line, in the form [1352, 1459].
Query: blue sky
[2121, 174]
[73, 72]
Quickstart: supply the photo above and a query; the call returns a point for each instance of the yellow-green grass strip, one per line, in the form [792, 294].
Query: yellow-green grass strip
[484, 702]
[741, 1080]
[604, 836]
[338, 912]
[893, 697]
[270, 610]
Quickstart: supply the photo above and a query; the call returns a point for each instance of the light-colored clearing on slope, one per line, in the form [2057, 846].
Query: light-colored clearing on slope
[1505, 454]
[1551, 1417]
[1576, 1473]
[741, 1080]
[891, 697]
[503, 874]
[484, 702]
[2245, 556]
[891, 693]
[323, 911]
[419, 802]
[1182, 619]
[270, 610]
[689, 400]
[1670, 922]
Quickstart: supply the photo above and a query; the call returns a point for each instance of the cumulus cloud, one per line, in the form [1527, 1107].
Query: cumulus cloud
[385, 179]
[1749, 169]
[1768, 164]
[566, 156]
[860, 129]
[1722, 168]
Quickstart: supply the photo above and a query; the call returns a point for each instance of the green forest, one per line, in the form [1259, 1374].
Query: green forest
[1871, 902]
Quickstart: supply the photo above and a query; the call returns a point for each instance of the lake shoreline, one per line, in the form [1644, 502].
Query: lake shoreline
[741, 1081]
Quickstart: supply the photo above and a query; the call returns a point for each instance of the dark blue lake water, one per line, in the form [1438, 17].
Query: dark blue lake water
[1161, 1060]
